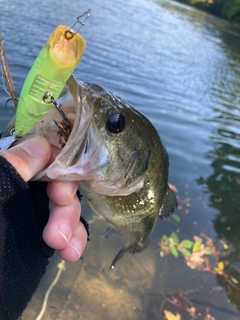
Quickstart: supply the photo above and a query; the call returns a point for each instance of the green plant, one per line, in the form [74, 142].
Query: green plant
[174, 246]
[231, 10]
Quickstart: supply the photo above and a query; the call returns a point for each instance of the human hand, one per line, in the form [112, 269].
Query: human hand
[63, 231]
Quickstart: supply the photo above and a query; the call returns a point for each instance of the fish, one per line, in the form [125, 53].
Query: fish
[116, 154]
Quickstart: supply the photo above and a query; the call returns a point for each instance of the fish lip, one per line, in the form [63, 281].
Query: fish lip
[71, 152]
[81, 123]
[94, 155]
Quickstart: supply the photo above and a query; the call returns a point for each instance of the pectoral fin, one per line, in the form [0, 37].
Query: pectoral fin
[169, 204]
[111, 231]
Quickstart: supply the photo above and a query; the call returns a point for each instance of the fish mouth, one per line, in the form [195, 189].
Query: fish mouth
[73, 141]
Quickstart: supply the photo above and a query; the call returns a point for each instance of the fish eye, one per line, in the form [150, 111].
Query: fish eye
[115, 122]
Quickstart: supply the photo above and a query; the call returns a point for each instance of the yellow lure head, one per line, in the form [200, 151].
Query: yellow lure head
[66, 45]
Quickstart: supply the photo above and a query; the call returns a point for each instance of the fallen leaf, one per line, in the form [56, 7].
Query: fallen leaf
[209, 317]
[197, 246]
[192, 311]
[184, 251]
[210, 243]
[162, 254]
[237, 180]
[195, 261]
[220, 265]
[207, 263]
[174, 251]
[175, 238]
[172, 187]
[197, 238]
[235, 281]
[225, 246]
[170, 316]
[178, 301]
[187, 243]
[176, 218]
[165, 238]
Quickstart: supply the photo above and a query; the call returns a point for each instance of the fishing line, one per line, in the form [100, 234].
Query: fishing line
[61, 267]
[91, 4]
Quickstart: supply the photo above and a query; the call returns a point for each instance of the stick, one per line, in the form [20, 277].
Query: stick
[7, 74]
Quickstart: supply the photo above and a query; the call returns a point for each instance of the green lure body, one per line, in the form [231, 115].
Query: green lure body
[49, 73]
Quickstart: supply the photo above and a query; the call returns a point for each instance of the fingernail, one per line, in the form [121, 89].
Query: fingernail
[77, 246]
[65, 231]
[36, 147]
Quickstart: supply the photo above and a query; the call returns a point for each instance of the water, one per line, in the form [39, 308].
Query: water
[181, 68]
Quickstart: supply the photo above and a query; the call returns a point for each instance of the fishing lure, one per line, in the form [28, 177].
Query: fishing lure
[48, 75]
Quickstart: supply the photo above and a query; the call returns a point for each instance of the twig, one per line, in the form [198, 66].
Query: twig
[7, 74]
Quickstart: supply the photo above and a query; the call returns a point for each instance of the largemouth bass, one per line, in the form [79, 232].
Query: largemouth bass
[117, 155]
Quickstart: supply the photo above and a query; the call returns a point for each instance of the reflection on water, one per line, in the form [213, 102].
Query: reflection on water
[181, 68]
[223, 186]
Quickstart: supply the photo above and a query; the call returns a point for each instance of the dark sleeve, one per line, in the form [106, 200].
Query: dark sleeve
[23, 253]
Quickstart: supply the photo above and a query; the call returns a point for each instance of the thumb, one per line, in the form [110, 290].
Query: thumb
[29, 157]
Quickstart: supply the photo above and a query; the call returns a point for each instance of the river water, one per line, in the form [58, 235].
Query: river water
[181, 68]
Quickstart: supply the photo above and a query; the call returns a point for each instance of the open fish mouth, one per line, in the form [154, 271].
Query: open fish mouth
[70, 138]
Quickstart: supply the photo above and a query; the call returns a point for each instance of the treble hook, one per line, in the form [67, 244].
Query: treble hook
[57, 106]
[6, 103]
[59, 126]
[70, 33]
